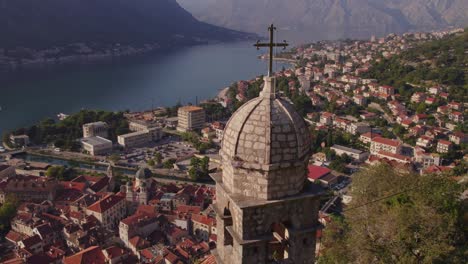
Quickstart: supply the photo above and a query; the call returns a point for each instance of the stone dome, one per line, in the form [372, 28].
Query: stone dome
[266, 130]
[265, 148]
[143, 173]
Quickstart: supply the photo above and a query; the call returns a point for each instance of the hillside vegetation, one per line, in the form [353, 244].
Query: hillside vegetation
[438, 62]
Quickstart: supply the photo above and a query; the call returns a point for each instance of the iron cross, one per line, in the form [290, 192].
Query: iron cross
[271, 45]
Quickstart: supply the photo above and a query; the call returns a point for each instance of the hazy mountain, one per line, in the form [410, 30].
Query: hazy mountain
[43, 23]
[314, 19]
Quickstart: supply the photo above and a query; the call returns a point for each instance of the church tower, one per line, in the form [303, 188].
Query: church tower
[266, 211]
[110, 174]
[143, 195]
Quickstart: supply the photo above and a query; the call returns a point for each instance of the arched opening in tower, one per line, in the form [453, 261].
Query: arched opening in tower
[278, 246]
[227, 223]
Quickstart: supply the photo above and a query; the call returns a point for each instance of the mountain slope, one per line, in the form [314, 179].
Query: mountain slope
[312, 19]
[32, 23]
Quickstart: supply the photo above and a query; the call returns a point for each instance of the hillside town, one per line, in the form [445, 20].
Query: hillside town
[136, 187]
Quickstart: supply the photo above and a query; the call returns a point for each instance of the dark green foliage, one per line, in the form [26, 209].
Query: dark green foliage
[199, 168]
[214, 111]
[302, 103]
[55, 172]
[438, 62]
[62, 173]
[339, 163]
[169, 164]
[194, 138]
[398, 217]
[7, 212]
[254, 88]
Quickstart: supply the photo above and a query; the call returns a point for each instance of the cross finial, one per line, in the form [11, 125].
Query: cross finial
[271, 45]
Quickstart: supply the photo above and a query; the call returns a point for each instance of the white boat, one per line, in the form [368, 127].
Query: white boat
[62, 116]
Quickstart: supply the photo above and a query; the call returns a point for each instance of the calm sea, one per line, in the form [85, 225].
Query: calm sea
[135, 83]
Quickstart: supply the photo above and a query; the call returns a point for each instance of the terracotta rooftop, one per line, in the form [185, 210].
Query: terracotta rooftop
[445, 142]
[386, 141]
[316, 172]
[138, 242]
[395, 156]
[91, 255]
[31, 241]
[140, 218]
[203, 219]
[106, 203]
[13, 236]
[209, 260]
[190, 108]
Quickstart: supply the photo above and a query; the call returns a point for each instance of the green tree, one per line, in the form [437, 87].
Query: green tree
[114, 158]
[56, 172]
[195, 162]
[193, 173]
[398, 217]
[204, 165]
[421, 109]
[6, 139]
[158, 157]
[169, 164]
[7, 212]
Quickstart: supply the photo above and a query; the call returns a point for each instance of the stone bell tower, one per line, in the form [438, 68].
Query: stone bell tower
[266, 211]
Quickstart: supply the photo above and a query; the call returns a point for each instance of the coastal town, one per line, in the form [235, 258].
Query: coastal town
[137, 187]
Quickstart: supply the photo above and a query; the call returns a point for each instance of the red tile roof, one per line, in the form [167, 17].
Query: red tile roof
[100, 184]
[188, 209]
[209, 260]
[203, 219]
[106, 203]
[146, 208]
[395, 156]
[171, 257]
[387, 141]
[31, 241]
[138, 242]
[91, 255]
[79, 186]
[114, 252]
[317, 172]
[13, 236]
[436, 169]
[369, 134]
[140, 217]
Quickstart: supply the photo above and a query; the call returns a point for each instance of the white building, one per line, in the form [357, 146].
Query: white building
[203, 226]
[444, 146]
[109, 210]
[427, 159]
[326, 118]
[140, 138]
[353, 153]
[190, 118]
[140, 224]
[96, 145]
[96, 129]
[384, 144]
[358, 128]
